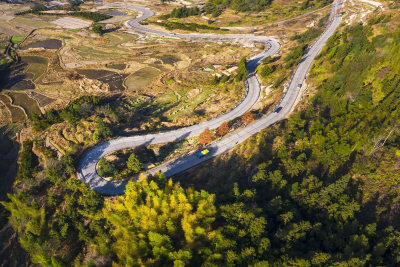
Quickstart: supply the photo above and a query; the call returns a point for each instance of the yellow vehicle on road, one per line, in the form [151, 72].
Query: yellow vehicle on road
[203, 153]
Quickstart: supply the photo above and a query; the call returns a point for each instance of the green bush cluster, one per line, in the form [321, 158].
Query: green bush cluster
[27, 162]
[98, 28]
[55, 215]
[384, 18]
[106, 168]
[72, 113]
[267, 70]
[308, 36]
[184, 12]
[221, 80]
[295, 55]
[93, 16]
[47, 152]
[312, 3]
[172, 25]
[242, 70]
[109, 169]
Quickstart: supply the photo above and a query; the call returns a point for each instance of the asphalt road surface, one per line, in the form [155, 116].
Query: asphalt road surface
[87, 165]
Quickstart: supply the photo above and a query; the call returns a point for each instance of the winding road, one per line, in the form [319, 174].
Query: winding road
[87, 165]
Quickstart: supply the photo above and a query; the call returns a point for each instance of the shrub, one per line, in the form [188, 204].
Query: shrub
[267, 70]
[103, 129]
[242, 70]
[106, 168]
[247, 118]
[26, 163]
[295, 55]
[205, 137]
[98, 28]
[223, 129]
[134, 163]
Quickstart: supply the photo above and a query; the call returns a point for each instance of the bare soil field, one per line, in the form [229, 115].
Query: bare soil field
[169, 59]
[116, 66]
[113, 79]
[71, 23]
[16, 78]
[26, 102]
[115, 12]
[36, 65]
[46, 44]
[9, 30]
[41, 99]
[22, 75]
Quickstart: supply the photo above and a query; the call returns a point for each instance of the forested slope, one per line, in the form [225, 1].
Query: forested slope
[326, 181]
[318, 189]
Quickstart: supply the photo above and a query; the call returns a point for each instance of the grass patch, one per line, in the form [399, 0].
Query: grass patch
[117, 39]
[31, 22]
[89, 52]
[141, 78]
[167, 98]
[36, 65]
[192, 104]
[4, 61]
[17, 39]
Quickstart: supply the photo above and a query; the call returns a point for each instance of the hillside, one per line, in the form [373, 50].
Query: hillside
[318, 189]
[326, 180]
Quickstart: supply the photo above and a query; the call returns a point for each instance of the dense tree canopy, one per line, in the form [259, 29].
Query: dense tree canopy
[184, 12]
[161, 225]
[242, 71]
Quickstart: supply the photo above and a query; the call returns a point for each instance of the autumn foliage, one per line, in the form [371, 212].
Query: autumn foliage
[223, 129]
[205, 137]
[247, 118]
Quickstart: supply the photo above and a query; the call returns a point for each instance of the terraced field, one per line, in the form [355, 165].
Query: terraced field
[45, 44]
[113, 79]
[117, 66]
[42, 100]
[36, 65]
[17, 114]
[141, 78]
[169, 59]
[26, 102]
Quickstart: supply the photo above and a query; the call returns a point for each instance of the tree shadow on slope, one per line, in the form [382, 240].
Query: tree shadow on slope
[145, 114]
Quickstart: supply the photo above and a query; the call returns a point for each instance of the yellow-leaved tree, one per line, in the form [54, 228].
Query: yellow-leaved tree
[157, 222]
